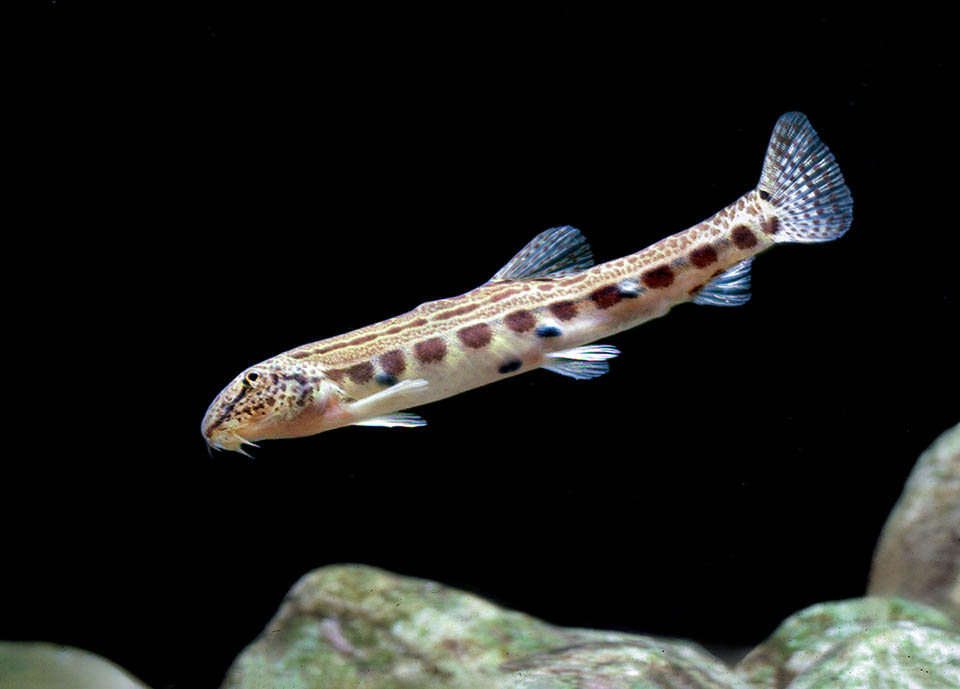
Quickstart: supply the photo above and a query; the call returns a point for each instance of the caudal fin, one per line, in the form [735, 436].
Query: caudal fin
[803, 182]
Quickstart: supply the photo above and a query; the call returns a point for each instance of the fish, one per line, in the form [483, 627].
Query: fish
[545, 309]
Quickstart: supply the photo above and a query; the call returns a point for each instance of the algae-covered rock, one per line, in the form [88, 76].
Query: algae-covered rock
[48, 666]
[627, 662]
[902, 654]
[918, 556]
[864, 642]
[357, 627]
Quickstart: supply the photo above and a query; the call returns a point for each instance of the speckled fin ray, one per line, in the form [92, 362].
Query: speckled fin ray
[731, 288]
[803, 182]
[553, 253]
[582, 363]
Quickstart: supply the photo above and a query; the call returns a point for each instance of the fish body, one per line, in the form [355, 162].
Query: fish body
[542, 310]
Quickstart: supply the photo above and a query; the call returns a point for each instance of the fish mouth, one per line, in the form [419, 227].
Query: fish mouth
[218, 430]
[229, 441]
[218, 437]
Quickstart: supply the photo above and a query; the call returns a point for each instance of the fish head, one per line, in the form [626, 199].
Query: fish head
[279, 398]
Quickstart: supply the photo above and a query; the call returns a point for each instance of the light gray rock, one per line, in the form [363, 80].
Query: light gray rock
[902, 654]
[918, 556]
[622, 661]
[356, 627]
[48, 666]
[864, 642]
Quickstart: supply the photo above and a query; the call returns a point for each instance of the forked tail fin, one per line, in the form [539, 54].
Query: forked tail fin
[803, 182]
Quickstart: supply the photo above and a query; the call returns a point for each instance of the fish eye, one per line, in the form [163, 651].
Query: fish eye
[251, 378]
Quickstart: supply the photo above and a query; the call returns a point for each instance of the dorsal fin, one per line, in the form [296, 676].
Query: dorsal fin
[553, 253]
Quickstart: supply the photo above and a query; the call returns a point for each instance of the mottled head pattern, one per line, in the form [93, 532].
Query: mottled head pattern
[279, 398]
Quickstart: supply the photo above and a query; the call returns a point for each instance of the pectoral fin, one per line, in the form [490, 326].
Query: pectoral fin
[367, 405]
[398, 420]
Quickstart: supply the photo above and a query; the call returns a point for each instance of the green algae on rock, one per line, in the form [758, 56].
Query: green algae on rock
[888, 639]
[918, 556]
[624, 662]
[902, 654]
[35, 665]
[357, 627]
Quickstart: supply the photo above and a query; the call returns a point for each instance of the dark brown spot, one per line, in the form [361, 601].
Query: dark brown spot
[563, 310]
[694, 290]
[475, 336]
[336, 375]
[520, 321]
[430, 351]
[743, 237]
[772, 226]
[270, 400]
[764, 195]
[658, 278]
[605, 297]
[305, 392]
[361, 373]
[703, 256]
[393, 363]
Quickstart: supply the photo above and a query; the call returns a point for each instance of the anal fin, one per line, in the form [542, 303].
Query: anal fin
[582, 363]
[731, 288]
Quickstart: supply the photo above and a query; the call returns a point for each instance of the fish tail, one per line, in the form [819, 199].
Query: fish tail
[803, 183]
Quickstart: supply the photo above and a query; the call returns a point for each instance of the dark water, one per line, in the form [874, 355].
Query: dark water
[207, 190]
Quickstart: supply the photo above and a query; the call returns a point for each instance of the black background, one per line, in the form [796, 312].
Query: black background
[198, 191]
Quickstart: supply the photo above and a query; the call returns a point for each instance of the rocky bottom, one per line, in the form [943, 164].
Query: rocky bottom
[357, 627]
[361, 628]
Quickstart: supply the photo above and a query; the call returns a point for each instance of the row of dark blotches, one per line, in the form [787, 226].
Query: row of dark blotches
[478, 336]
